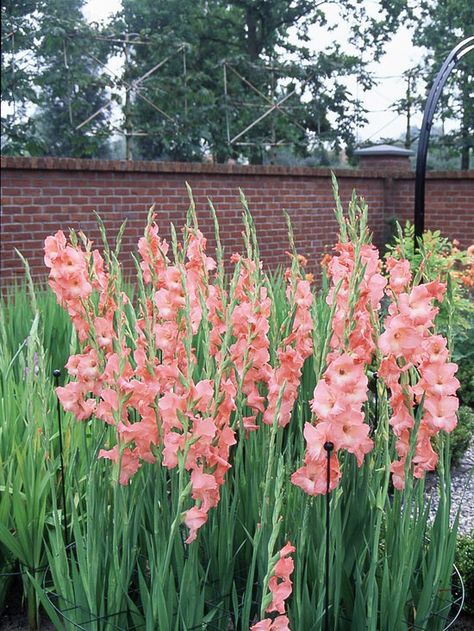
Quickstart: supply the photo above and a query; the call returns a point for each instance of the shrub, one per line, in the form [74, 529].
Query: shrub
[462, 434]
[464, 356]
[465, 564]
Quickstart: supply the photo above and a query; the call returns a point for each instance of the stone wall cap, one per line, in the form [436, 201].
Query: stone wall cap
[383, 150]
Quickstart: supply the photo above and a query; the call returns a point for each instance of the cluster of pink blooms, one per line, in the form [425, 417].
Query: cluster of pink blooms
[149, 395]
[74, 274]
[292, 352]
[416, 368]
[188, 419]
[153, 399]
[280, 586]
[249, 353]
[340, 394]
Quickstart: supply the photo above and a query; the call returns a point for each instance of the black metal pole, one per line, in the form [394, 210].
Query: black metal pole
[376, 402]
[452, 59]
[328, 446]
[56, 374]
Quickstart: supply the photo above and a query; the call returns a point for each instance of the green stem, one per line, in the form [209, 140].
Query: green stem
[263, 520]
[182, 495]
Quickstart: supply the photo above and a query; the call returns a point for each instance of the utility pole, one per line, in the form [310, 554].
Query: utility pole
[409, 103]
[126, 111]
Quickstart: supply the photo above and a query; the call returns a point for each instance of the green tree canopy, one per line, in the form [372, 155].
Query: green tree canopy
[19, 29]
[439, 26]
[51, 81]
[230, 63]
[225, 79]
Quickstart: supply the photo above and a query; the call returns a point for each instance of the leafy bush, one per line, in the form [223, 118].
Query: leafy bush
[462, 435]
[465, 564]
[438, 257]
[464, 356]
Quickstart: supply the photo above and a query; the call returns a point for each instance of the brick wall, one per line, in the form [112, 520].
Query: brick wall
[42, 195]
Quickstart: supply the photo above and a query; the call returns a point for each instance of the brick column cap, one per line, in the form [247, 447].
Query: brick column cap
[383, 151]
[388, 158]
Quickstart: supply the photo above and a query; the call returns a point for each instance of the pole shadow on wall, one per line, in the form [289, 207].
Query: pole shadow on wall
[451, 61]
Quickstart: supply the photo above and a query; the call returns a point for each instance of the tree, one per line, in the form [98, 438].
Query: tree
[227, 78]
[190, 107]
[71, 83]
[440, 25]
[50, 80]
[18, 72]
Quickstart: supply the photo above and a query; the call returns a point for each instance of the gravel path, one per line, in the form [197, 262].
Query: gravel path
[462, 489]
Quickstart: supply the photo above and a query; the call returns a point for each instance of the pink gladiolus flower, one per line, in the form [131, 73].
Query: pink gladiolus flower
[317, 435]
[173, 442]
[104, 333]
[294, 349]
[312, 476]
[129, 462]
[340, 394]
[400, 338]
[53, 247]
[406, 342]
[194, 519]
[354, 437]
[72, 399]
[398, 474]
[280, 584]
[281, 623]
[438, 380]
[442, 412]
[400, 274]
[280, 592]
[144, 434]
[435, 348]
[205, 489]
[327, 402]
[153, 252]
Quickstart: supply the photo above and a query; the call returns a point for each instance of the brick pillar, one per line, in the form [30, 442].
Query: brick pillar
[389, 161]
[384, 158]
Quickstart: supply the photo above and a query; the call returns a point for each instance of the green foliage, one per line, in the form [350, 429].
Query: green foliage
[17, 92]
[466, 377]
[52, 80]
[465, 564]
[17, 315]
[71, 83]
[179, 111]
[439, 26]
[254, 37]
[463, 434]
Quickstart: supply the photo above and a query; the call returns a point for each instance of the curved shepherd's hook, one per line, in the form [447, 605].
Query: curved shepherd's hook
[452, 59]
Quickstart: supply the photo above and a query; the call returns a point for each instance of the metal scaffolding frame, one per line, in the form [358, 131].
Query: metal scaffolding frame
[135, 88]
[273, 105]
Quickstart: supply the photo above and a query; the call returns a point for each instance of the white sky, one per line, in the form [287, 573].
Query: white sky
[400, 56]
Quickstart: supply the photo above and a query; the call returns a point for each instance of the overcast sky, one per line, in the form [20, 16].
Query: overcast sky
[400, 56]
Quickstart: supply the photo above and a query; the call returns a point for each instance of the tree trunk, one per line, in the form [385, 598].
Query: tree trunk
[252, 37]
